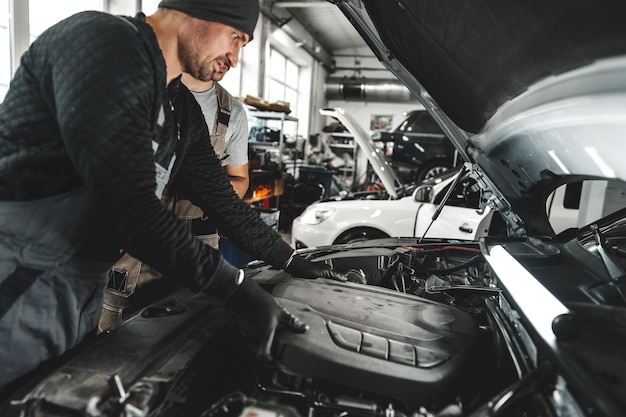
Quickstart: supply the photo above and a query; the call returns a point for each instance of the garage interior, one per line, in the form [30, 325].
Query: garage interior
[401, 263]
[305, 57]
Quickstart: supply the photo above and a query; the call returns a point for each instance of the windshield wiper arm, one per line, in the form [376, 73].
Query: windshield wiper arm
[458, 177]
[615, 272]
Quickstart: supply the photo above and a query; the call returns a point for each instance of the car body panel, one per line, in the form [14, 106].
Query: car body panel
[396, 218]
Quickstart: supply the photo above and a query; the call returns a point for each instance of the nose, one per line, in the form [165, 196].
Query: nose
[233, 56]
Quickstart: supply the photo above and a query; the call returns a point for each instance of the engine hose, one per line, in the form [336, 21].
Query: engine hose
[464, 265]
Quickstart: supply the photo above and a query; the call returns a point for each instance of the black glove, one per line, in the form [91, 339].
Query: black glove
[260, 316]
[301, 267]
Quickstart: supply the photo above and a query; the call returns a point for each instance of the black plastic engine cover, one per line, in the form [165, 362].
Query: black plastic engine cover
[368, 338]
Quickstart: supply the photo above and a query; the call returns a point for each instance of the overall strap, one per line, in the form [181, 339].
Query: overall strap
[222, 118]
[223, 110]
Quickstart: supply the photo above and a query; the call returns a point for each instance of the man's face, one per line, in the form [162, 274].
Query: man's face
[207, 50]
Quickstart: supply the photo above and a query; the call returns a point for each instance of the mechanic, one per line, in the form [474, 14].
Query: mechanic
[88, 141]
[132, 284]
[228, 124]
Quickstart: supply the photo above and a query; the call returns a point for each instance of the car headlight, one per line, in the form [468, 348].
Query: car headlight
[316, 215]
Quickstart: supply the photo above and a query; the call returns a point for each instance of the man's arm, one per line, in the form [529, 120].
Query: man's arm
[204, 182]
[239, 178]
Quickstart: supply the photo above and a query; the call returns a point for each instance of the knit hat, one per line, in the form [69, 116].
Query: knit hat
[239, 14]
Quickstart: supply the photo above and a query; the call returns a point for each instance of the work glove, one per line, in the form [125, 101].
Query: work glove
[260, 316]
[301, 267]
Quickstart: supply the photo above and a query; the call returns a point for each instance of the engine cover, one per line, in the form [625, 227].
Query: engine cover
[373, 339]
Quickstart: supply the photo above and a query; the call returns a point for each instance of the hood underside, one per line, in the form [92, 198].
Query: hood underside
[474, 56]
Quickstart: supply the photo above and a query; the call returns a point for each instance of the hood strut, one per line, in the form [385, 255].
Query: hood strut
[453, 185]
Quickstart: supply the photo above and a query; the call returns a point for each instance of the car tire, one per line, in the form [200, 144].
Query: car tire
[432, 169]
[359, 235]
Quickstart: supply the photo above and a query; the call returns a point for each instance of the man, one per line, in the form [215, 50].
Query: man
[228, 125]
[132, 284]
[88, 141]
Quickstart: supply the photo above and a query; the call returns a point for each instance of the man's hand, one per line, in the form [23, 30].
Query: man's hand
[260, 316]
[303, 268]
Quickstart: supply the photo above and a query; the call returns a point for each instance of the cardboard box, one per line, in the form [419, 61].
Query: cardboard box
[259, 103]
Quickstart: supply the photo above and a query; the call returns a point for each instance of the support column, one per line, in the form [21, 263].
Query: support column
[20, 28]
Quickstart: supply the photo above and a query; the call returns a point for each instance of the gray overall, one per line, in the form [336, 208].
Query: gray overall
[184, 208]
[49, 298]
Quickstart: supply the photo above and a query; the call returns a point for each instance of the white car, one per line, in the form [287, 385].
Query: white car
[395, 212]
[349, 220]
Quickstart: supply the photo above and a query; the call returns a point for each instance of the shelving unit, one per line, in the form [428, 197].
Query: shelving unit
[343, 142]
[264, 186]
[279, 116]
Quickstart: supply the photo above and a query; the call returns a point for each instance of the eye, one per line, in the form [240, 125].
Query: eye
[240, 37]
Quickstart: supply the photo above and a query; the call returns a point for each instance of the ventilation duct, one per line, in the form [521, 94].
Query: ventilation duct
[362, 89]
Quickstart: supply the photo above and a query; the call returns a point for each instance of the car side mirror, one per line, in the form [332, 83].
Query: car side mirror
[423, 194]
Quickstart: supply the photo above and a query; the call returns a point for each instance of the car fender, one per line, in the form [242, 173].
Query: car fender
[392, 217]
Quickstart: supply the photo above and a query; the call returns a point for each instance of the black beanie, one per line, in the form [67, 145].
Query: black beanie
[239, 14]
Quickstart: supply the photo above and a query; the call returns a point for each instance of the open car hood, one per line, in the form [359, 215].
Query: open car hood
[532, 95]
[374, 155]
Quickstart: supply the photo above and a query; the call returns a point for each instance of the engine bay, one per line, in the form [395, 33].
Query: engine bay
[407, 334]
[419, 330]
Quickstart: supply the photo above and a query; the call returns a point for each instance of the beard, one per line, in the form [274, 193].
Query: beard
[191, 65]
[213, 70]
[205, 71]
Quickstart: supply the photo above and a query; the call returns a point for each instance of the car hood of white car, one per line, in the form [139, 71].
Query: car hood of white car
[374, 154]
[532, 95]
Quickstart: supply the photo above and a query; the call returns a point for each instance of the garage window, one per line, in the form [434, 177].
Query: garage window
[21, 22]
[283, 84]
[44, 13]
[149, 6]
[5, 49]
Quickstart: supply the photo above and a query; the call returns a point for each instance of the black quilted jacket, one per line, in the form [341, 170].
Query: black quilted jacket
[85, 108]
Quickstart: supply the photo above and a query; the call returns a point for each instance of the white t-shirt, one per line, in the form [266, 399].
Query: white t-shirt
[237, 132]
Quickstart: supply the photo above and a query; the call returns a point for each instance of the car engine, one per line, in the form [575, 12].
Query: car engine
[408, 335]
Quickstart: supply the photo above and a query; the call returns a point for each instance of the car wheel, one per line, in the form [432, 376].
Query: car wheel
[432, 169]
[358, 235]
